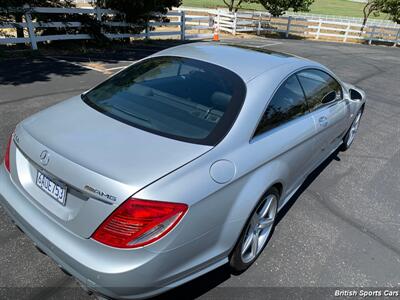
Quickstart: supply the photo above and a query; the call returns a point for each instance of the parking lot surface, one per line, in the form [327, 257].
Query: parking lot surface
[342, 229]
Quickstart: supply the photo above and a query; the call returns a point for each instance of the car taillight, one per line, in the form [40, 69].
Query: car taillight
[7, 155]
[138, 222]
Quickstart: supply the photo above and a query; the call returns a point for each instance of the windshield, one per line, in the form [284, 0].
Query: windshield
[176, 97]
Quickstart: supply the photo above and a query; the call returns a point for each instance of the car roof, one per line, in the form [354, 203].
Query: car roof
[245, 61]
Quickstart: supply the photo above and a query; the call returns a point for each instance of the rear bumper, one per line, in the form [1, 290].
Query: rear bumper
[124, 274]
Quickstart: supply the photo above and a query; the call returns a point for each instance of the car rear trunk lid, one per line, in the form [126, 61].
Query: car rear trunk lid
[101, 161]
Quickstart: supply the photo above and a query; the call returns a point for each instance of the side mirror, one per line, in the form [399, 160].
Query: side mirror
[331, 96]
[355, 95]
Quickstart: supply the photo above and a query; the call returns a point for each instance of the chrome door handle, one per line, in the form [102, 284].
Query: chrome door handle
[323, 121]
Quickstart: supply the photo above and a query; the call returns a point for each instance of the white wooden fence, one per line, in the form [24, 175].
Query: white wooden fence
[182, 24]
[313, 28]
[348, 31]
[239, 22]
[185, 24]
[343, 19]
[300, 15]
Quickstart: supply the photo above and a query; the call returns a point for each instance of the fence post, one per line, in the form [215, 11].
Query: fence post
[288, 26]
[183, 25]
[199, 23]
[31, 28]
[99, 17]
[371, 35]
[147, 31]
[346, 32]
[98, 13]
[318, 29]
[397, 40]
[259, 25]
[234, 24]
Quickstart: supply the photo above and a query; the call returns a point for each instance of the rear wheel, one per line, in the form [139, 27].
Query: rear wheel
[351, 134]
[256, 233]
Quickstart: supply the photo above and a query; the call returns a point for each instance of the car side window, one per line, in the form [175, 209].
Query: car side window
[320, 88]
[287, 104]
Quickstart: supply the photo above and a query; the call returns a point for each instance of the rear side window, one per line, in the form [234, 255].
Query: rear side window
[180, 98]
[287, 104]
[320, 88]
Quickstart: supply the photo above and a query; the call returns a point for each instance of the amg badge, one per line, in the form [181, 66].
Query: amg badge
[100, 193]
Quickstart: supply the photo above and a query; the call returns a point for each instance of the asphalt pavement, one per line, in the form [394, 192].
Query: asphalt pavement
[342, 229]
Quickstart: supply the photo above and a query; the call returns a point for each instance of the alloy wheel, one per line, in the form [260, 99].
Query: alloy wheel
[353, 129]
[259, 228]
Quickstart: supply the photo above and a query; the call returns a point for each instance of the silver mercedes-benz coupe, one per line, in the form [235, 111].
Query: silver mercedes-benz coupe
[174, 166]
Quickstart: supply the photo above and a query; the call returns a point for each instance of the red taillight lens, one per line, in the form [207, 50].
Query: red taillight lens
[137, 223]
[7, 155]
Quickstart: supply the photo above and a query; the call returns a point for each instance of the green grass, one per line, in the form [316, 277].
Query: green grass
[323, 7]
[217, 3]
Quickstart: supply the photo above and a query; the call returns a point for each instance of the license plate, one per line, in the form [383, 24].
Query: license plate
[55, 190]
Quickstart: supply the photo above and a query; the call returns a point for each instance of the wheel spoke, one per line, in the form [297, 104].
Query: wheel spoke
[247, 243]
[266, 207]
[358, 118]
[254, 244]
[264, 223]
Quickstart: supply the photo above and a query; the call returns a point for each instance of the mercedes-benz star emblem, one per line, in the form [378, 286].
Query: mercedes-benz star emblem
[44, 157]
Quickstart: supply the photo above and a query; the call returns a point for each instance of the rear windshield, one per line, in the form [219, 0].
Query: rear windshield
[180, 98]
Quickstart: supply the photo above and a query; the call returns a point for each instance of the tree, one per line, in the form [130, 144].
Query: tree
[372, 7]
[13, 10]
[139, 12]
[392, 8]
[375, 7]
[278, 7]
[234, 5]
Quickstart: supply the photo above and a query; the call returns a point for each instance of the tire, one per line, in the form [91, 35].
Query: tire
[351, 133]
[256, 233]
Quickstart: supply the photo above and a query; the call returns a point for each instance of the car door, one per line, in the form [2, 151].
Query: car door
[287, 130]
[328, 108]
